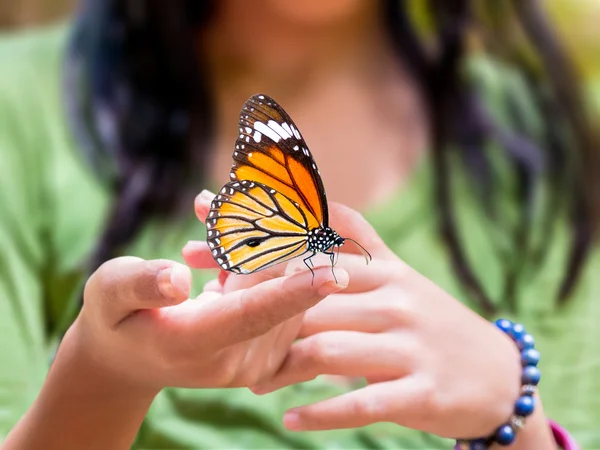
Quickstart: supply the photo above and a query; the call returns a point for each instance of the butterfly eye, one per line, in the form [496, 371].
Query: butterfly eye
[253, 243]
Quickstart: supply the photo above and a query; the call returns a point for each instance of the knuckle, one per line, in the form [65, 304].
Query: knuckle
[427, 394]
[144, 284]
[395, 313]
[228, 373]
[106, 283]
[366, 409]
[315, 352]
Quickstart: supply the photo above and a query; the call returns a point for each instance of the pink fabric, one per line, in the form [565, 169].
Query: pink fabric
[563, 438]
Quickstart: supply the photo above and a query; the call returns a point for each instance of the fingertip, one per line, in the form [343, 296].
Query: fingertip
[204, 197]
[291, 420]
[202, 203]
[213, 286]
[259, 390]
[195, 247]
[333, 283]
[197, 255]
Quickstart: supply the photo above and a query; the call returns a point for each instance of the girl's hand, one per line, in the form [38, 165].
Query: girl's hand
[138, 323]
[430, 362]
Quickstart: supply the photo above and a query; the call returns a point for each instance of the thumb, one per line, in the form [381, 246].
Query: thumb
[127, 284]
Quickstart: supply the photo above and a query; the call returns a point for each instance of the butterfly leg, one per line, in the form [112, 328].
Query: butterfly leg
[306, 261]
[331, 257]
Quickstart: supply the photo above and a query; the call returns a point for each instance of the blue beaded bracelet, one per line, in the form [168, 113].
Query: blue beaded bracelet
[525, 404]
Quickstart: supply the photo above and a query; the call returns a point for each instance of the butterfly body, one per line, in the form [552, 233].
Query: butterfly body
[274, 207]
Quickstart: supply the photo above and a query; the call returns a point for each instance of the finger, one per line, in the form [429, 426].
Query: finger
[248, 313]
[350, 224]
[363, 277]
[392, 401]
[124, 285]
[213, 286]
[202, 204]
[197, 255]
[355, 312]
[347, 353]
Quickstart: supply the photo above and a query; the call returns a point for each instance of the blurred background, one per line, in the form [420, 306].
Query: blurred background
[577, 21]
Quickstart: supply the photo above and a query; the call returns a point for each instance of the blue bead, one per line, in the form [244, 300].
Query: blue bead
[504, 324]
[526, 341]
[478, 444]
[524, 406]
[517, 331]
[530, 357]
[531, 375]
[505, 435]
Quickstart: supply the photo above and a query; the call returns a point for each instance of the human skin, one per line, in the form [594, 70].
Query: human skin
[138, 332]
[431, 363]
[95, 395]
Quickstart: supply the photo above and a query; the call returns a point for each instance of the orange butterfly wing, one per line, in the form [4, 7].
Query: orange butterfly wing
[270, 150]
[252, 226]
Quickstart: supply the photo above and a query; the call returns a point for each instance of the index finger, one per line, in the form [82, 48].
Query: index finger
[249, 313]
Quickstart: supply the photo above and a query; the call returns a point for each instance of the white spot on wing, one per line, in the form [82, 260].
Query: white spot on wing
[287, 128]
[261, 127]
[257, 136]
[296, 132]
[296, 147]
[278, 129]
[248, 129]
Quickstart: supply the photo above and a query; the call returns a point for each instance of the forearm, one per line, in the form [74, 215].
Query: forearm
[81, 406]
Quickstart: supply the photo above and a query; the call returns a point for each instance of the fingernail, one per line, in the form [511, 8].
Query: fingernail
[331, 286]
[291, 420]
[179, 279]
[206, 195]
[163, 279]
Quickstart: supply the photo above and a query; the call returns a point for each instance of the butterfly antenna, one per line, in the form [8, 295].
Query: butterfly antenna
[364, 251]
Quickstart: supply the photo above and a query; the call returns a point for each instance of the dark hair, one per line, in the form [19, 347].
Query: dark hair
[136, 85]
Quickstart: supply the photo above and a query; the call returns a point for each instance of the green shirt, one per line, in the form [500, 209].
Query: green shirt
[52, 208]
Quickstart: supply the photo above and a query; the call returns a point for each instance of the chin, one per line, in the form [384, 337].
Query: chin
[317, 12]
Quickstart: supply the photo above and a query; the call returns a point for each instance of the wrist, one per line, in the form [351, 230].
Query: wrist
[82, 404]
[89, 374]
[527, 426]
[536, 434]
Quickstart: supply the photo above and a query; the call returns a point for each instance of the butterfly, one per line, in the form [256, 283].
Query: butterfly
[274, 207]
